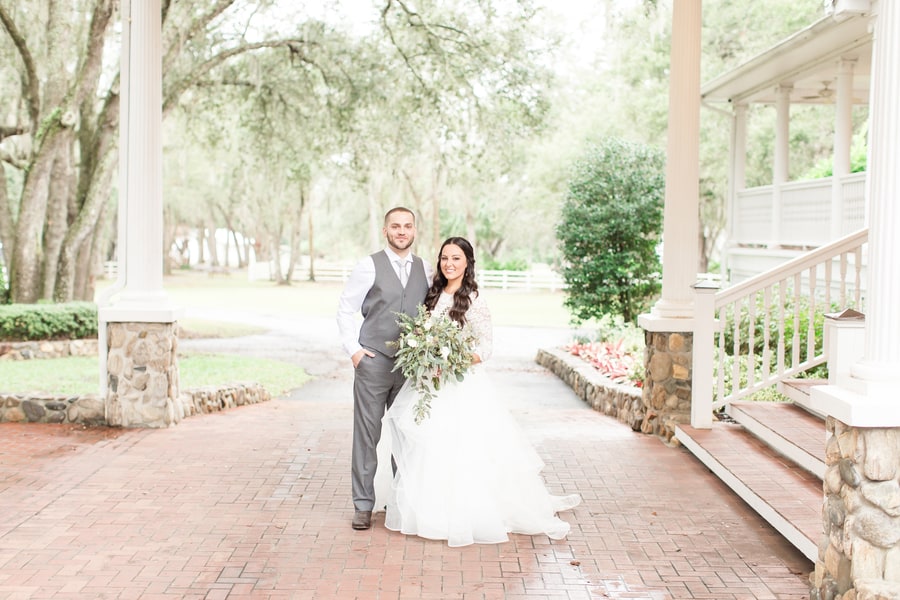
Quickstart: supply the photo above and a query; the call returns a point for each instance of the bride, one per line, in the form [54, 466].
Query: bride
[466, 473]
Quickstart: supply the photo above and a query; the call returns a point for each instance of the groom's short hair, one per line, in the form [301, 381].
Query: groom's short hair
[388, 214]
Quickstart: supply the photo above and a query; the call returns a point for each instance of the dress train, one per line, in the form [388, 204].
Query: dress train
[467, 473]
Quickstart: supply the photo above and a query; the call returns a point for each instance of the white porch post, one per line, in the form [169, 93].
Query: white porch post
[843, 136]
[669, 326]
[682, 197]
[703, 356]
[782, 156]
[739, 172]
[141, 370]
[860, 519]
[880, 367]
[738, 175]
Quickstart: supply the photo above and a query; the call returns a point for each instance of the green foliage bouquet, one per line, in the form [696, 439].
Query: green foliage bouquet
[431, 350]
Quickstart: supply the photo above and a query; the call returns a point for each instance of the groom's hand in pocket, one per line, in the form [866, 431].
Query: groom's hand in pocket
[359, 355]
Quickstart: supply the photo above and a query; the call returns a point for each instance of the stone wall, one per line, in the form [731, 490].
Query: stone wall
[47, 349]
[599, 392]
[859, 557]
[89, 409]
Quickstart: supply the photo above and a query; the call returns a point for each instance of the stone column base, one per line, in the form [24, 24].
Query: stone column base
[667, 383]
[859, 557]
[142, 374]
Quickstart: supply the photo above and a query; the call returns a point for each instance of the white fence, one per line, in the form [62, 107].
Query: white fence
[505, 280]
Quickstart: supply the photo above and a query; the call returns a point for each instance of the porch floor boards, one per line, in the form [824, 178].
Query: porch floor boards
[793, 423]
[787, 495]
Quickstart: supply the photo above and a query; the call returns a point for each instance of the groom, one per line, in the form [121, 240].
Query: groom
[390, 281]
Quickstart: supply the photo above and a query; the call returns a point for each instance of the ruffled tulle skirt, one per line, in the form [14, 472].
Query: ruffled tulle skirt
[466, 474]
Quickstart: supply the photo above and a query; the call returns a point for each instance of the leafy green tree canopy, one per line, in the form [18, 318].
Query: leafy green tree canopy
[610, 228]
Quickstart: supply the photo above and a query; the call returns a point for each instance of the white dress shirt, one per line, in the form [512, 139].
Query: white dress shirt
[361, 279]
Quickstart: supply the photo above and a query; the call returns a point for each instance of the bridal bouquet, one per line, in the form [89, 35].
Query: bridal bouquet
[431, 350]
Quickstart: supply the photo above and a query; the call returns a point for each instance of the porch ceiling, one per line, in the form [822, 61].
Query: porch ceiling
[807, 60]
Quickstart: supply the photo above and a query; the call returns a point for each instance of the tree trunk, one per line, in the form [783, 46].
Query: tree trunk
[239, 250]
[213, 247]
[7, 228]
[28, 253]
[376, 219]
[83, 288]
[275, 242]
[85, 224]
[93, 253]
[703, 253]
[436, 210]
[312, 248]
[295, 237]
[168, 234]
[201, 244]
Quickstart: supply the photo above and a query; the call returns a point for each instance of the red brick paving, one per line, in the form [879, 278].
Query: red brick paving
[254, 503]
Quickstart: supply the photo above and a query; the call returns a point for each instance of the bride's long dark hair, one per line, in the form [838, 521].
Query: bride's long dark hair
[462, 299]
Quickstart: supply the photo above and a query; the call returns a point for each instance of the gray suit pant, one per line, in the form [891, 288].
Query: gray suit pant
[374, 390]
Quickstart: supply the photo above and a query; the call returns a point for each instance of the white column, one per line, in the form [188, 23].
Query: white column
[682, 195]
[738, 168]
[782, 156]
[870, 398]
[843, 138]
[143, 298]
[740, 146]
[882, 349]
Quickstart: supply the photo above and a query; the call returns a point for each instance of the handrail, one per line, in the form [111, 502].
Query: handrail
[793, 266]
[773, 328]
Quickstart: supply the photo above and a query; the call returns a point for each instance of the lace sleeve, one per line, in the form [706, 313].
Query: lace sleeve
[478, 317]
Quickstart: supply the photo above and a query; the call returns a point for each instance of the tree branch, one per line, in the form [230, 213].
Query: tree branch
[403, 55]
[6, 132]
[197, 25]
[32, 91]
[89, 73]
[177, 88]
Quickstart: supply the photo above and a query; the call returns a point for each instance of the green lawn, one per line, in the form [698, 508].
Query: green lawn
[508, 307]
[79, 375]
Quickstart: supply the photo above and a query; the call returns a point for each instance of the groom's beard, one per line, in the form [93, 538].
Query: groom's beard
[401, 245]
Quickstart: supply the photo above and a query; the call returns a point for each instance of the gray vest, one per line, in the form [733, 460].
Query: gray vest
[387, 297]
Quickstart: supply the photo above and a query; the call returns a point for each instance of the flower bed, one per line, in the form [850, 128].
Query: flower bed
[624, 401]
[612, 360]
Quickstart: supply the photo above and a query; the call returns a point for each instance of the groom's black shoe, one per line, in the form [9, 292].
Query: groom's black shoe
[362, 519]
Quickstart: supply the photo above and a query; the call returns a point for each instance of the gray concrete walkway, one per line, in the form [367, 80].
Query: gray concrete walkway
[255, 503]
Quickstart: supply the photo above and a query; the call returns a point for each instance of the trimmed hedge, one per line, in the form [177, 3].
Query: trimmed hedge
[33, 322]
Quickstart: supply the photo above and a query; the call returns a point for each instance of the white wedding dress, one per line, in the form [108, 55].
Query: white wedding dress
[466, 473]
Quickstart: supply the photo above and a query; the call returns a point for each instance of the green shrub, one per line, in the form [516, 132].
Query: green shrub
[28, 322]
[610, 229]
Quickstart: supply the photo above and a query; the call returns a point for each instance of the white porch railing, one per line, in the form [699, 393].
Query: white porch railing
[806, 212]
[750, 336]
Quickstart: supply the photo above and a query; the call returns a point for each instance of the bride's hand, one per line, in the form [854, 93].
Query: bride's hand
[476, 359]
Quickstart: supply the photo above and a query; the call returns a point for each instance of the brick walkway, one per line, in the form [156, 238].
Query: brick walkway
[254, 503]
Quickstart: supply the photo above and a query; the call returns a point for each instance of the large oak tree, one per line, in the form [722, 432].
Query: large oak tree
[60, 106]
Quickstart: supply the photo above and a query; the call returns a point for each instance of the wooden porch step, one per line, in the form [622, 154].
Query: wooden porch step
[786, 495]
[791, 430]
[798, 390]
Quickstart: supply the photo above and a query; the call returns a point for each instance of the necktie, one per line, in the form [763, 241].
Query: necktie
[401, 271]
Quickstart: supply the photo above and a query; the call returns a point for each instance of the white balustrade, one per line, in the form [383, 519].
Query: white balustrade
[754, 324]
